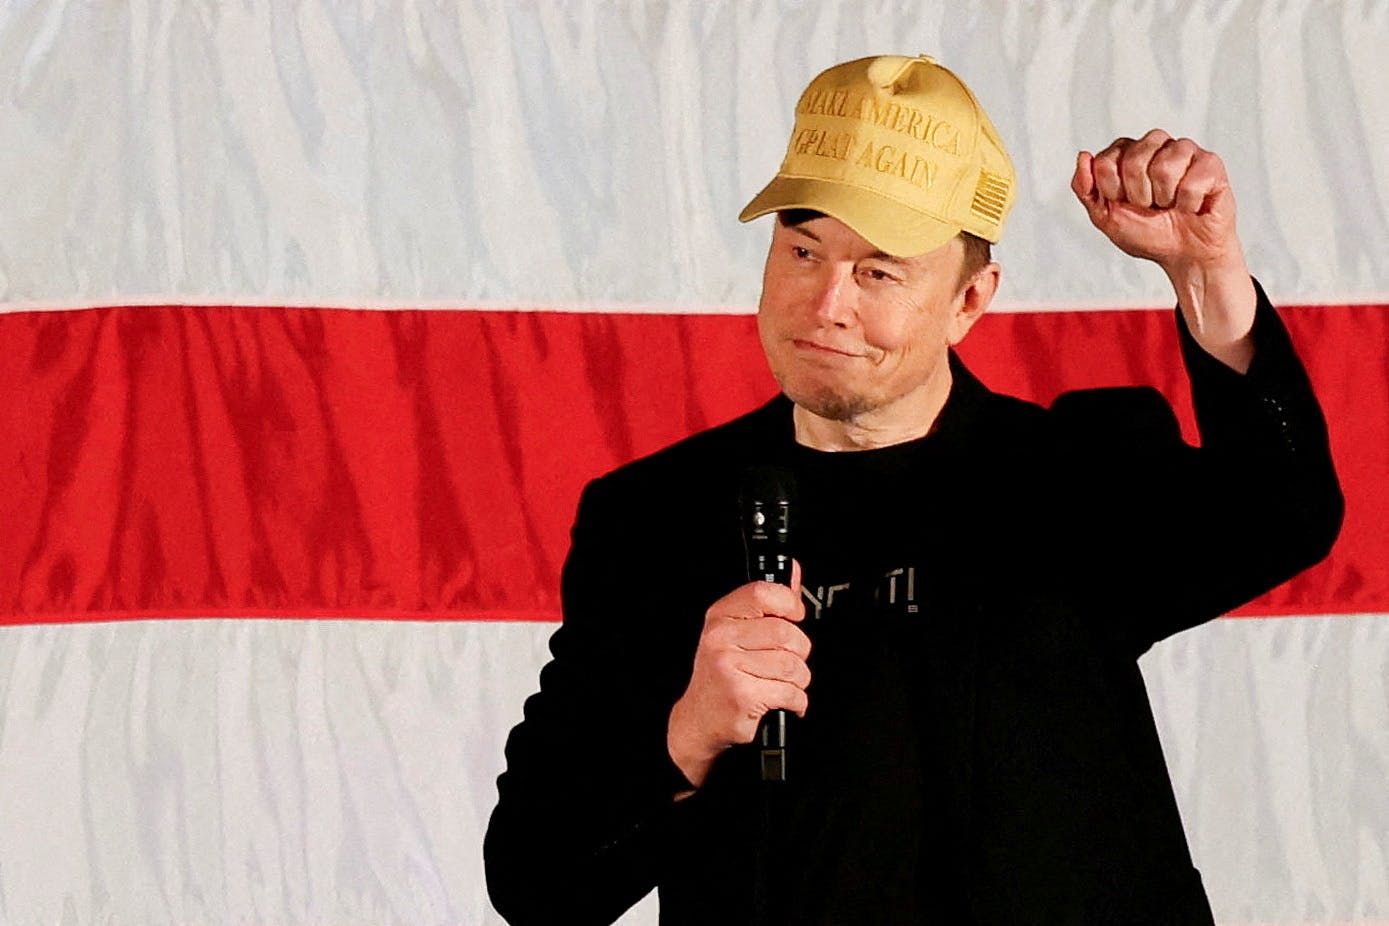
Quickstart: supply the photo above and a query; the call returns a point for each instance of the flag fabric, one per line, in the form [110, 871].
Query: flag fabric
[317, 317]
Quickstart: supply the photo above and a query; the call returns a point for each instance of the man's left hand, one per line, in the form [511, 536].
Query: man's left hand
[1168, 200]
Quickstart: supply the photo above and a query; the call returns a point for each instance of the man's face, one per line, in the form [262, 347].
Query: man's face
[849, 330]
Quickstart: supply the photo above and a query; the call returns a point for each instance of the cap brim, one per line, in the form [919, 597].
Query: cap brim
[889, 226]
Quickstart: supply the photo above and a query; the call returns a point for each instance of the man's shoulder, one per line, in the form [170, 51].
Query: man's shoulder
[1111, 415]
[713, 455]
[1115, 415]
[752, 434]
[1114, 423]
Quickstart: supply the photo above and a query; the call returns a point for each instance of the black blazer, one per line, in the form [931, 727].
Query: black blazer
[1074, 538]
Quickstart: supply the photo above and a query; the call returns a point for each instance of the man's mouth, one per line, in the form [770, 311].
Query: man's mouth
[815, 347]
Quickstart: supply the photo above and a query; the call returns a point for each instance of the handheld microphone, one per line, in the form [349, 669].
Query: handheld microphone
[765, 506]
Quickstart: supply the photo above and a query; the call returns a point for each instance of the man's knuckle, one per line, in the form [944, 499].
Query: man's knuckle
[718, 611]
[764, 595]
[714, 635]
[1134, 170]
[1107, 173]
[1209, 161]
[1167, 171]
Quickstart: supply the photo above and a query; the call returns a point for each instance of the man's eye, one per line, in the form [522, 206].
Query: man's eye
[876, 274]
[800, 253]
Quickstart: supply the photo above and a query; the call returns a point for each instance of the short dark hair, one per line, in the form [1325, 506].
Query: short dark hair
[978, 251]
[790, 217]
[978, 255]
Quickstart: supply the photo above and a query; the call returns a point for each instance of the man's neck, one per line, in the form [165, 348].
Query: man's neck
[905, 419]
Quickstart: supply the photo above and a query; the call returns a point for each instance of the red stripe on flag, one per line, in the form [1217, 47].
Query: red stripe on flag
[167, 461]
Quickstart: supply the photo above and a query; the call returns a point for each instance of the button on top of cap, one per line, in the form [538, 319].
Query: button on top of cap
[887, 71]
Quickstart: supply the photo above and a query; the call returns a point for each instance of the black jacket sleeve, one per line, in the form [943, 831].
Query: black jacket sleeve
[587, 798]
[1182, 534]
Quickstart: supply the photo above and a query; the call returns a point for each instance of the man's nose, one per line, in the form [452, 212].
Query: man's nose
[834, 297]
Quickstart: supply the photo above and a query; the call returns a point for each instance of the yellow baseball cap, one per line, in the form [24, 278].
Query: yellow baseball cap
[899, 150]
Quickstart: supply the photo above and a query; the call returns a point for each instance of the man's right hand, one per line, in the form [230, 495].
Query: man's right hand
[751, 659]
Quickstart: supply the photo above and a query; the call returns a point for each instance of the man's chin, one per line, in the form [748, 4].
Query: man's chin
[828, 404]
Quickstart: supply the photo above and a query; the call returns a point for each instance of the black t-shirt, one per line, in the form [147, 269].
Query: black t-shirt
[856, 830]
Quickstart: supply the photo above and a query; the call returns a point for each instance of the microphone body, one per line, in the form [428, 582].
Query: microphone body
[766, 517]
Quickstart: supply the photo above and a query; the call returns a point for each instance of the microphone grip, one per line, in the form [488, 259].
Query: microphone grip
[771, 730]
[771, 733]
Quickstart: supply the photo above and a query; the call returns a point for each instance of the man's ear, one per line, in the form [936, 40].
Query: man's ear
[973, 301]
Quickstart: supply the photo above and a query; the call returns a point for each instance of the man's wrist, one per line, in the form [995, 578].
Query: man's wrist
[693, 763]
[1218, 302]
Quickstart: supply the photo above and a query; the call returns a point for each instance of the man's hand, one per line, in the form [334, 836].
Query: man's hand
[751, 658]
[1169, 200]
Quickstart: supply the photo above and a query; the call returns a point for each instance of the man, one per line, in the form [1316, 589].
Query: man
[977, 575]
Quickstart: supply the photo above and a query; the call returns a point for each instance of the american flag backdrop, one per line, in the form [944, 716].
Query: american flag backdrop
[315, 318]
